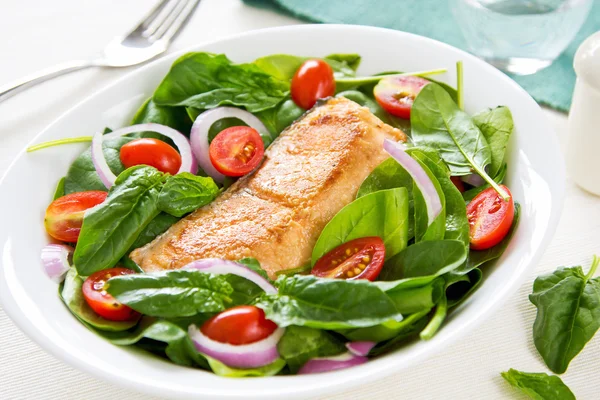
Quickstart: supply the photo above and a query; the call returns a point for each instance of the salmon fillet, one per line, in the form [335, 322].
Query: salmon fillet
[276, 214]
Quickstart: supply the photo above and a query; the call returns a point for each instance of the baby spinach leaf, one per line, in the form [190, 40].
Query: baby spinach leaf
[538, 386]
[60, 189]
[499, 178]
[185, 192]
[254, 265]
[300, 343]
[414, 299]
[388, 330]
[568, 314]
[429, 258]
[223, 370]
[169, 294]
[496, 124]
[157, 226]
[423, 229]
[110, 229]
[366, 101]
[82, 174]
[278, 118]
[351, 61]
[306, 300]
[204, 80]
[407, 328]
[174, 117]
[383, 213]
[71, 295]
[459, 286]
[284, 66]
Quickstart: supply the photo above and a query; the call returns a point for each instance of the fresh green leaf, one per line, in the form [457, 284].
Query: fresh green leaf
[170, 294]
[110, 229]
[174, 117]
[223, 370]
[441, 310]
[568, 314]
[423, 229]
[496, 125]
[130, 264]
[284, 66]
[306, 300]
[388, 330]
[366, 101]
[460, 286]
[60, 189]
[405, 329]
[71, 295]
[82, 174]
[254, 265]
[412, 298]
[204, 80]
[499, 178]
[157, 226]
[538, 386]
[300, 344]
[185, 192]
[383, 213]
[278, 118]
[352, 61]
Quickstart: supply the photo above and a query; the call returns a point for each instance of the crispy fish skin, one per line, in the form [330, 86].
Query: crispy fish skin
[276, 214]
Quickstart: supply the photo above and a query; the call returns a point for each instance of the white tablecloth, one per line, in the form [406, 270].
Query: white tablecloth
[37, 33]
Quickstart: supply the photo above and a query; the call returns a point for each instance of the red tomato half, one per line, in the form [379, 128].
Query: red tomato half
[490, 218]
[357, 259]
[312, 81]
[239, 325]
[397, 94]
[152, 152]
[103, 304]
[64, 215]
[236, 151]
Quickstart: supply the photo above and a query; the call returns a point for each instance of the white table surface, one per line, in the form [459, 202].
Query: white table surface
[35, 34]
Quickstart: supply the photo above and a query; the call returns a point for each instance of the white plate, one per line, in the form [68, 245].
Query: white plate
[535, 176]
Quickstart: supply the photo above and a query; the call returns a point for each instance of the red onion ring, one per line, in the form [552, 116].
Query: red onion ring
[326, 364]
[473, 180]
[55, 260]
[251, 355]
[360, 348]
[188, 162]
[420, 177]
[218, 266]
[199, 134]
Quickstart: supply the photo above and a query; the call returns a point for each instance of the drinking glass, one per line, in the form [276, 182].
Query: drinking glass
[520, 36]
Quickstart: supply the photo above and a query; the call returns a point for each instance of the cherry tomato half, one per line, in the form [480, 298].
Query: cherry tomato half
[103, 304]
[239, 325]
[152, 152]
[357, 259]
[64, 215]
[312, 81]
[490, 218]
[236, 151]
[397, 94]
[458, 183]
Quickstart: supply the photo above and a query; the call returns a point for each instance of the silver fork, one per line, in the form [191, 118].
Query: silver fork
[147, 40]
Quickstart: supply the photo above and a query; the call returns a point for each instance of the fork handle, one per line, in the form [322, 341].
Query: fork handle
[18, 86]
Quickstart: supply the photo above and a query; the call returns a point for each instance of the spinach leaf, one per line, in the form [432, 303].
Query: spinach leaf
[300, 344]
[174, 117]
[110, 229]
[306, 300]
[185, 192]
[60, 189]
[499, 178]
[170, 294]
[254, 265]
[82, 174]
[405, 329]
[223, 370]
[71, 295]
[496, 125]
[429, 258]
[538, 386]
[204, 80]
[437, 122]
[568, 314]
[366, 101]
[397, 330]
[383, 213]
[278, 118]
[351, 61]
[460, 286]
[424, 230]
[284, 66]
[412, 298]
[157, 226]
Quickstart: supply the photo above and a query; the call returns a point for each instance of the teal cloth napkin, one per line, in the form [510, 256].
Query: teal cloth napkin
[552, 86]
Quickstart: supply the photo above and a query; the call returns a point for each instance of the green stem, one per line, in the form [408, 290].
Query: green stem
[459, 85]
[59, 142]
[438, 318]
[492, 182]
[361, 80]
[592, 270]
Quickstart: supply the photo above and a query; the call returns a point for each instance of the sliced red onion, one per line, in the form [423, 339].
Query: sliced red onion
[199, 134]
[360, 348]
[55, 260]
[473, 180]
[218, 266]
[188, 162]
[326, 364]
[251, 355]
[420, 177]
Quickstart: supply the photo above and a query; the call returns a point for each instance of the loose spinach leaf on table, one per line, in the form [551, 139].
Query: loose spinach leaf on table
[306, 300]
[111, 228]
[300, 343]
[157, 226]
[538, 386]
[185, 192]
[174, 117]
[568, 314]
[170, 294]
[383, 213]
[496, 124]
[205, 80]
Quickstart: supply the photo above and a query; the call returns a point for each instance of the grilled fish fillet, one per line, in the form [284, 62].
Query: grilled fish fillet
[276, 214]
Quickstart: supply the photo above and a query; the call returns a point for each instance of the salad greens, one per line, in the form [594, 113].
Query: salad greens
[538, 386]
[184, 193]
[496, 125]
[300, 343]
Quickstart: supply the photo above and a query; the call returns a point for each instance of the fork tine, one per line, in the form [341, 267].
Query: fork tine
[170, 7]
[175, 22]
[150, 17]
